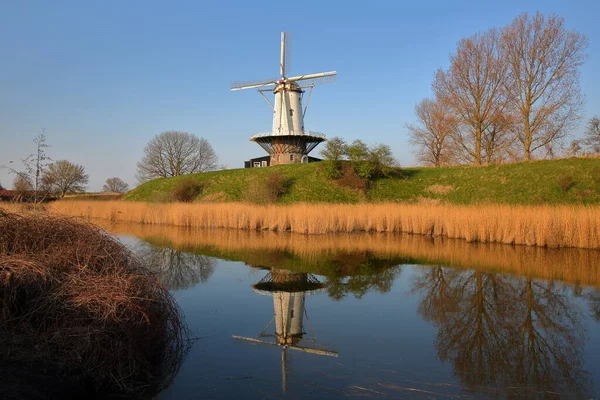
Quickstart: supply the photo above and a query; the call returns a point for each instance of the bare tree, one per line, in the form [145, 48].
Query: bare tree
[65, 177]
[23, 186]
[433, 133]
[543, 59]
[473, 87]
[35, 165]
[592, 135]
[115, 185]
[175, 153]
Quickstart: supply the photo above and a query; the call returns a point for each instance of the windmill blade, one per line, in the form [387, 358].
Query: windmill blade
[314, 79]
[252, 84]
[287, 64]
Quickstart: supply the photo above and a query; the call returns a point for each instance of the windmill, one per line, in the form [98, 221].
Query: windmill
[288, 142]
[289, 290]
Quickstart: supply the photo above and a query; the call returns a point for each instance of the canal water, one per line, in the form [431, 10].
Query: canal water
[283, 316]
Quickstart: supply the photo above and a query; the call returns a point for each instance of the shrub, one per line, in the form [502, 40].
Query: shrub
[349, 178]
[332, 169]
[268, 189]
[565, 182]
[187, 190]
[81, 307]
[596, 179]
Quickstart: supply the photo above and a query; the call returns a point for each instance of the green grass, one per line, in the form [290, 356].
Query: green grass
[537, 182]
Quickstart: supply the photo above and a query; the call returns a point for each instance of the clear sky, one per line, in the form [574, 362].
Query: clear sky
[103, 77]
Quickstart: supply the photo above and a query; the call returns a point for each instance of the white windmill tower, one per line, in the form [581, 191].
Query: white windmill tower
[288, 142]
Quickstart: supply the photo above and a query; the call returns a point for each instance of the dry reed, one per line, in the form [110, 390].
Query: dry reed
[76, 302]
[545, 226]
[575, 266]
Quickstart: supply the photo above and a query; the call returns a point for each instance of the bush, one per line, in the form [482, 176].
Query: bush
[332, 169]
[268, 189]
[565, 182]
[78, 307]
[187, 190]
[349, 178]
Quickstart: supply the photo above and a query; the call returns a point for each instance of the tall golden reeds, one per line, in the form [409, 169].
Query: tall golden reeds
[540, 225]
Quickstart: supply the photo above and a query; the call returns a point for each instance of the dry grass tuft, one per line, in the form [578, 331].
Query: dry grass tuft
[74, 300]
[440, 189]
[545, 226]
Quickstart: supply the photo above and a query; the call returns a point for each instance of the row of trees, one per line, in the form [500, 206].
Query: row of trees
[42, 177]
[509, 94]
[168, 154]
[368, 162]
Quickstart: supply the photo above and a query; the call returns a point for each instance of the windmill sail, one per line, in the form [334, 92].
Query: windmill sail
[289, 142]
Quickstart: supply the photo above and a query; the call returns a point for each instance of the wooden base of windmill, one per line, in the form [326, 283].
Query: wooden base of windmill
[289, 149]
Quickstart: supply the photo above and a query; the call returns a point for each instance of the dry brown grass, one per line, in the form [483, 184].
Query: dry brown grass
[77, 304]
[440, 189]
[576, 266]
[545, 226]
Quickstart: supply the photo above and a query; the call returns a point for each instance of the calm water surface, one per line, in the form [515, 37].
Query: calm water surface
[283, 316]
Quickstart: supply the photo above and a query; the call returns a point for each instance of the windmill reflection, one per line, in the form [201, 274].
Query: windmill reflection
[176, 269]
[289, 290]
[505, 331]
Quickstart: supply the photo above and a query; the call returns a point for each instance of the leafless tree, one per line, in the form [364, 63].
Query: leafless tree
[543, 60]
[115, 185]
[433, 133]
[175, 153]
[473, 87]
[23, 186]
[65, 177]
[592, 135]
[35, 165]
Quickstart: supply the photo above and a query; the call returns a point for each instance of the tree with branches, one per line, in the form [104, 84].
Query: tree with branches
[592, 135]
[64, 177]
[35, 166]
[175, 153]
[432, 134]
[543, 59]
[335, 149]
[473, 88]
[115, 185]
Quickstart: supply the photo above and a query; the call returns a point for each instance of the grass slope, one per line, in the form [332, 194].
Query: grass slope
[538, 182]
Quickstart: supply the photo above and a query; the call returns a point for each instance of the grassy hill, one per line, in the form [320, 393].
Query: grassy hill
[573, 180]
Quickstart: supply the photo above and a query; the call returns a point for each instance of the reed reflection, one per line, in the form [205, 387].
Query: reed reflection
[176, 269]
[313, 253]
[495, 330]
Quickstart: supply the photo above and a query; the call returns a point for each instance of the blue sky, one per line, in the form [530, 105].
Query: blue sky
[103, 77]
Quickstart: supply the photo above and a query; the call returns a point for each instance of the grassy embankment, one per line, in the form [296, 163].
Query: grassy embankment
[544, 203]
[567, 181]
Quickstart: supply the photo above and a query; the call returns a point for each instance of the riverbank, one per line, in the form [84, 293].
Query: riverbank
[541, 225]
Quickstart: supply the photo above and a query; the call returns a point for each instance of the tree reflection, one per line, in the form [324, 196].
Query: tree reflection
[382, 281]
[594, 299]
[497, 330]
[176, 269]
[548, 342]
